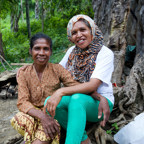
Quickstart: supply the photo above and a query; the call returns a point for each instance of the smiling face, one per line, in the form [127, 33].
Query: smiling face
[81, 35]
[40, 52]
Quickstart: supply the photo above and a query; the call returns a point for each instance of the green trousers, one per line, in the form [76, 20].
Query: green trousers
[72, 113]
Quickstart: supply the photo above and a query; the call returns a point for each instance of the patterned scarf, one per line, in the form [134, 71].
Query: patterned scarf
[81, 62]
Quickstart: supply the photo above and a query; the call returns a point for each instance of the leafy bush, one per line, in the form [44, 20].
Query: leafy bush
[16, 46]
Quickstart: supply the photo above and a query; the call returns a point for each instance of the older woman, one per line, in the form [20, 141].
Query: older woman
[91, 64]
[35, 83]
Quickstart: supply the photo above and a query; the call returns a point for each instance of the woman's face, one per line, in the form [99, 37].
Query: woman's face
[41, 51]
[81, 35]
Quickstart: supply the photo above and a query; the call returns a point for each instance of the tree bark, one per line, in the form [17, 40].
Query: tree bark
[22, 10]
[12, 21]
[15, 16]
[122, 24]
[36, 9]
[111, 17]
[42, 17]
[27, 18]
[140, 30]
[1, 47]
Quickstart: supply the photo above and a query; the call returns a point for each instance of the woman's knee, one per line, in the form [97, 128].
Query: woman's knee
[77, 97]
[77, 101]
[80, 98]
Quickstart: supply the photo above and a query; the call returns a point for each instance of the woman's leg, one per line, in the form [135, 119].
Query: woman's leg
[81, 108]
[30, 128]
[72, 113]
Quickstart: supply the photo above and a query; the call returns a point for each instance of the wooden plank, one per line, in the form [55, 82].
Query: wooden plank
[22, 64]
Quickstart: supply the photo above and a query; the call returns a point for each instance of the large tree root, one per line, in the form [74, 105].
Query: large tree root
[102, 137]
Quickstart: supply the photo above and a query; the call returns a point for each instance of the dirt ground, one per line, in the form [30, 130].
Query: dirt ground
[8, 109]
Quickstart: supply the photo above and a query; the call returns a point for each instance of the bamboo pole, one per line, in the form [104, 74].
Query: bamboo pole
[6, 61]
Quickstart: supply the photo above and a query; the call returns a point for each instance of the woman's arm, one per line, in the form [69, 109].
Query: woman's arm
[103, 71]
[103, 107]
[23, 102]
[86, 88]
[71, 86]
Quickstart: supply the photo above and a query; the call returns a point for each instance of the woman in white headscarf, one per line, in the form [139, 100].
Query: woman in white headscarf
[91, 64]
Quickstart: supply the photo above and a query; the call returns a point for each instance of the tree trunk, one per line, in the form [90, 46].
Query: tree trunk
[22, 10]
[15, 16]
[27, 18]
[122, 24]
[1, 47]
[36, 9]
[111, 17]
[42, 17]
[140, 29]
[12, 21]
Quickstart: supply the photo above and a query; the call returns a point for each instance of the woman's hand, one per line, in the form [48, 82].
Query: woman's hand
[103, 108]
[52, 103]
[50, 125]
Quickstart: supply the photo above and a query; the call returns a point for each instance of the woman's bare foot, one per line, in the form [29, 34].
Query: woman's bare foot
[87, 141]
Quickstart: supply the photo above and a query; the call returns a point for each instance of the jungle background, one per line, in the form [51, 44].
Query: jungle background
[20, 19]
[122, 25]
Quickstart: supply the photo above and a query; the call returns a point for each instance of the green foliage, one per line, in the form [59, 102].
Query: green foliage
[57, 56]
[5, 7]
[109, 132]
[32, 4]
[5, 23]
[115, 126]
[57, 14]
[59, 38]
[113, 130]
[69, 8]
[2, 69]
[16, 46]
